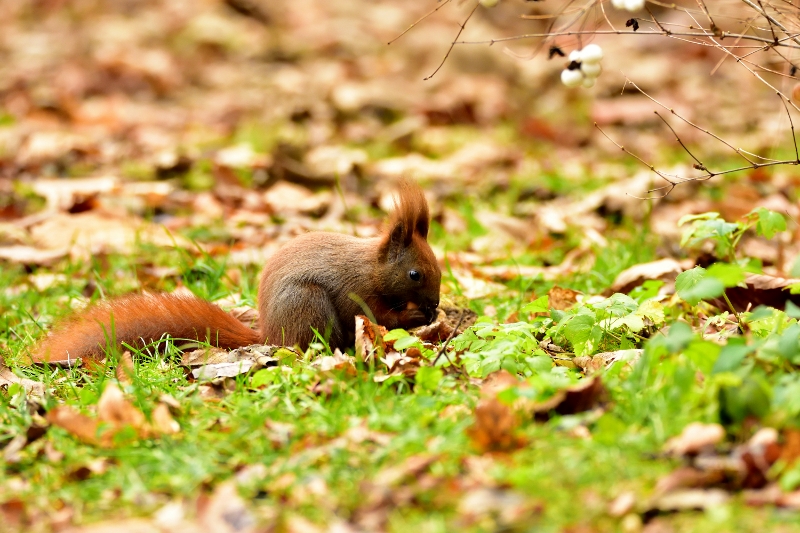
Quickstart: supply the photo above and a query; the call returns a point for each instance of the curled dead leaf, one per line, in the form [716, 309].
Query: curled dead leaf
[162, 421]
[694, 438]
[78, 424]
[583, 396]
[125, 369]
[7, 377]
[369, 338]
[593, 363]
[115, 409]
[562, 299]
[495, 427]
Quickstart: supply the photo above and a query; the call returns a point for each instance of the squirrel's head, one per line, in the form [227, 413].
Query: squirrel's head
[410, 275]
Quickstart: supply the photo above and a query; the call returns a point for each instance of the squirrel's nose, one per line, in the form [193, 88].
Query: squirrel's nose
[429, 310]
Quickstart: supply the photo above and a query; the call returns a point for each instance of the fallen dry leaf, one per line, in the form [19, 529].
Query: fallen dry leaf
[78, 424]
[622, 504]
[506, 508]
[118, 411]
[562, 299]
[29, 255]
[695, 438]
[689, 499]
[495, 427]
[791, 446]
[663, 269]
[688, 477]
[583, 396]
[593, 363]
[62, 195]
[761, 289]
[7, 377]
[337, 361]
[369, 339]
[125, 369]
[163, 423]
[225, 511]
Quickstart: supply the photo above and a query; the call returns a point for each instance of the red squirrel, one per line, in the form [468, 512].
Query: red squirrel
[318, 280]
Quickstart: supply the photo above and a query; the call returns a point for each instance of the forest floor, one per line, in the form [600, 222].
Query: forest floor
[620, 363]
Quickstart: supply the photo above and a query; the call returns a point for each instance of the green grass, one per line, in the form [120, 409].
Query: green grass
[345, 431]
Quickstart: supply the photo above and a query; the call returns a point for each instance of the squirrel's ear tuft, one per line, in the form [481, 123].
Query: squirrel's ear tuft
[410, 216]
[412, 208]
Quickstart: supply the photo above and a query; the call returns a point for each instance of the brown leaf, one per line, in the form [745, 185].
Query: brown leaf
[562, 299]
[80, 425]
[791, 446]
[593, 363]
[163, 423]
[115, 409]
[62, 195]
[436, 332]
[7, 377]
[223, 370]
[337, 361]
[225, 511]
[688, 499]
[125, 369]
[497, 382]
[406, 471]
[622, 504]
[694, 438]
[29, 255]
[663, 269]
[495, 427]
[583, 396]
[761, 289]
[689, 477]
[369, 338]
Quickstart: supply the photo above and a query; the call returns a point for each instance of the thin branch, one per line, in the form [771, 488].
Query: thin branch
[700, 165]
[724, 35]
[771, 27]
[423, 17]
[791, 124]
[708, 15]
[657, 23]
[608, 21]
[671, 185]
[770, 18]
[453, 44]
[707, 132]
[442, 350]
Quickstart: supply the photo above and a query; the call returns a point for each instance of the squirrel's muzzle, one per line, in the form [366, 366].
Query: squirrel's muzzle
[429, 311]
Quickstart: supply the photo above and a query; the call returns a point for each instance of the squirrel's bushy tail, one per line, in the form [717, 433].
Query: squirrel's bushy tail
[140, 319]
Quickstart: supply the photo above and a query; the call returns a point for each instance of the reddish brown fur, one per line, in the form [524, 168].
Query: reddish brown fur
[140, 319]
[317, 280]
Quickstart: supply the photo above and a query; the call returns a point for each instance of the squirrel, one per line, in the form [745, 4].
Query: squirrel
[318, 280]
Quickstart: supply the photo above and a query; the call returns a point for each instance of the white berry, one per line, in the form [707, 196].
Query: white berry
[576, 55]
[592, 53]
[588, 82]
[571, 78]
[591, 70]
[634, 5]
[488, 3]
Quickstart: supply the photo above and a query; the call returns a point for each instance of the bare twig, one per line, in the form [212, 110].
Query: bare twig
[443, 349]
[452, 45]
[707, 132]
[699, 165]
[791, 124]
[423, 17]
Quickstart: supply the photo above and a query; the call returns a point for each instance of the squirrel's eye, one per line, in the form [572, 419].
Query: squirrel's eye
[414, 275]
